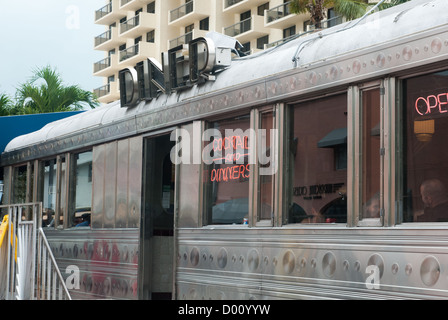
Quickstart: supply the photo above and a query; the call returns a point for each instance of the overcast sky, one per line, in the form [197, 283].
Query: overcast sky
[59, 33]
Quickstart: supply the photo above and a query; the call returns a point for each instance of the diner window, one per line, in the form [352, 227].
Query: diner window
[266, 167]
[423, 166]
[371, 153]
[227, 173]
[19, 194]
[80, 189]
[317, 179]
[48, 191]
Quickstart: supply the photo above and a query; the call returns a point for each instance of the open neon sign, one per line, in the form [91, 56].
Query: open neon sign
[432, 104]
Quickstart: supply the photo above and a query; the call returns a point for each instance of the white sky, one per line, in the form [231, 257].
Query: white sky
[59, 33]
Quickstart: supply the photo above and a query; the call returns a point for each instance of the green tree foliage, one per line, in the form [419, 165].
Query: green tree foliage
[350, 9]
[6, 105]
[45, 93]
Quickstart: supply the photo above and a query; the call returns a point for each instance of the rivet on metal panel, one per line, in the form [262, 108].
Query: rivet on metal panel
[253, 260]
[345, 265]
[357, 266]
[395, 268]
[408, 269]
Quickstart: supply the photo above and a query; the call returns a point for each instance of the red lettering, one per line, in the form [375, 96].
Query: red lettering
[418, 106]
[230, 173]
[442, 102]
[241, 170]
[431, 106]
[234, 169]
[432, 103]
[248, 171]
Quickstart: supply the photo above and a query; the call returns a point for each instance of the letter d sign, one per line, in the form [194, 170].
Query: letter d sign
[72, 281]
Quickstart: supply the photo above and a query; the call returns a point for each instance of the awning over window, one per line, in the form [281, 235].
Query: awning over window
[334, 138]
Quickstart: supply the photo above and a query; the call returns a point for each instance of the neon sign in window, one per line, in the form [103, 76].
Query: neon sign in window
[432, 104]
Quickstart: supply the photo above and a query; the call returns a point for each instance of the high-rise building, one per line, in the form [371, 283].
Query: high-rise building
[137, 29]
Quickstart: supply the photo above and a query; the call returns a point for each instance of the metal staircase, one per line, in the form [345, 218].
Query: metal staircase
[28, 269]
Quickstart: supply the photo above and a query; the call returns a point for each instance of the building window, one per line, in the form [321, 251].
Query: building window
[423, 164]
[150, 36]
[151, 7]
[262, 8]
[316, 192]
[204, 24]
[262, 41]
[228, 172]
[288, 32]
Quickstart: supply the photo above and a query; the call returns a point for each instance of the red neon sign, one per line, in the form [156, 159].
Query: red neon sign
[229, 144]
[230, 173]
[432, 104]
[233, 142]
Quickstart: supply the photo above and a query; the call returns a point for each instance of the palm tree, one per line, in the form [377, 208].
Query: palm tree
[350, 9]
[51, 95]
[6, 105]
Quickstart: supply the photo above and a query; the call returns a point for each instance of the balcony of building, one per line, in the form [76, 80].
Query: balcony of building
[106, 66]
[185, 38]
[238, 6]
[280, 17]
[328, 23]
[133, 5]
[138, 25]
[107, 40]
[139, 52]
[109, 13]
[189, 13]
[108, 93]
[247, 29]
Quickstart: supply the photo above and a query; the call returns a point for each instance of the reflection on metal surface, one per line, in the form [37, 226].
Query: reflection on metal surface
[289, 262]
[312, 265]
[107, 261]
[329, 264]
[430, 271]
[376, 260]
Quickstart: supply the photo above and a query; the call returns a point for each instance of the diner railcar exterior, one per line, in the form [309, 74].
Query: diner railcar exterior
[333, 206]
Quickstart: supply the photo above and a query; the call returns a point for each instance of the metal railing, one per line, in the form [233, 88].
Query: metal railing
[278, 12]
[101, 65]
[129, 52]
[183, 39]
[181, 11]
[49, 281]
[130, 23]
[27, 266]
[103, 11]
[102, 91]
[229, 3]
[105, 36]
[239, 28]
